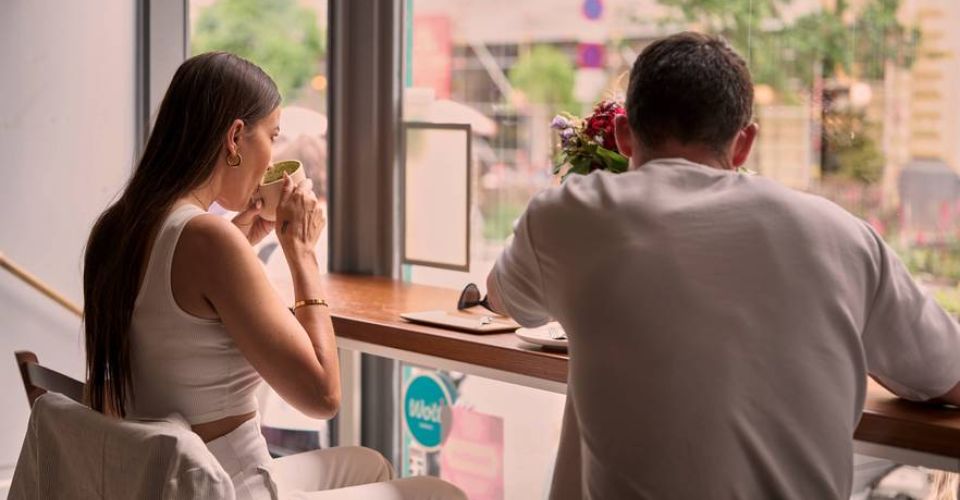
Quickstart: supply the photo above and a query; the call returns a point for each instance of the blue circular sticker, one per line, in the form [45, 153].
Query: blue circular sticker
[423, 404]
[593, 9]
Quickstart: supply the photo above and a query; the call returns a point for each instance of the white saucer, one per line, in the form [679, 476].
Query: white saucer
[542, 335]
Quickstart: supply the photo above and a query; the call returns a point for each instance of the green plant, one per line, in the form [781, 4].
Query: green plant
[589, 143]
[498, 220]
[545, 75]
[850, 150]
[817, 44]
[942, 261]
[281, 36]
[949, 300]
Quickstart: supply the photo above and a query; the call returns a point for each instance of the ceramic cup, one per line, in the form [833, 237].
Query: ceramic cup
[272, 185]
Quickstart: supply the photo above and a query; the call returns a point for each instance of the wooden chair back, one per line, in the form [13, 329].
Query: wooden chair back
[38, 379]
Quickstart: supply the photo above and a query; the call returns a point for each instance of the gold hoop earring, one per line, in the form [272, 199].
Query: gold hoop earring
[235, 164]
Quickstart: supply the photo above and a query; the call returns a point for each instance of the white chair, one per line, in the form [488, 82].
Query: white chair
[71, 451]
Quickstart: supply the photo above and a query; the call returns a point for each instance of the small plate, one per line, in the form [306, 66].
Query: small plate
[544, 335]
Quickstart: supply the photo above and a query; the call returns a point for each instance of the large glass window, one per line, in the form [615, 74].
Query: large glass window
[287, 38]
[857, 101]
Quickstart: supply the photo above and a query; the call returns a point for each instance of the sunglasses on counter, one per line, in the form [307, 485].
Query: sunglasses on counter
[470, 297]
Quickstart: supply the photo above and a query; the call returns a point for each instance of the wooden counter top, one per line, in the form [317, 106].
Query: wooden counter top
[368, 310]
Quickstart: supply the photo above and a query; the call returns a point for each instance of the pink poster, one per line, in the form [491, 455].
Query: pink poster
[432, 54]
[472, 455]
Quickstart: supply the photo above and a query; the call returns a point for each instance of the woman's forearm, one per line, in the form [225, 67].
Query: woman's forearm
[315, 319]
[306, 276]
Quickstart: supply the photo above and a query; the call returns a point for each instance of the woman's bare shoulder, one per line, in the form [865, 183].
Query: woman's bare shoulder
[213, 240]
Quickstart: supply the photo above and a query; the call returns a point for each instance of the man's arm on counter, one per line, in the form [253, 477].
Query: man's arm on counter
[515, 284]
[912, 345]
[493, 293]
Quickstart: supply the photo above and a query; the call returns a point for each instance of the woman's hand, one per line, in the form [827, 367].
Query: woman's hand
[254, 227]
[300, 218]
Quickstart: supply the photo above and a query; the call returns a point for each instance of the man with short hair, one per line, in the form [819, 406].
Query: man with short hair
[721, 326]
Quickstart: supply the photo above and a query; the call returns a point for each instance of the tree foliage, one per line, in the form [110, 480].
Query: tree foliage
[851, 151]
[280, 36]
[788, 54]
[793, 55]
[545, 75]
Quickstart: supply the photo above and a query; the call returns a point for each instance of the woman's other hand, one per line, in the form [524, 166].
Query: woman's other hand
[254, 227]
[300, 218]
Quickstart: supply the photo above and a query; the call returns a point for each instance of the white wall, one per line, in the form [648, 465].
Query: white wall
[66, 147]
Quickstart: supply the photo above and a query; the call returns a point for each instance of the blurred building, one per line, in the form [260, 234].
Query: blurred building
[465, 51]
[922, 119]
[935, 76]
[783, 150]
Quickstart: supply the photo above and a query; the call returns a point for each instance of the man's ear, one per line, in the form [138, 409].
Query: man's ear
[743, 144]
[624, 135]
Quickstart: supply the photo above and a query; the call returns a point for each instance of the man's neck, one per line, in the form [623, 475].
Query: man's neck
[696, 154]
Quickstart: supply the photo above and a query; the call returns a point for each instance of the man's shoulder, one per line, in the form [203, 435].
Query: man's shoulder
[579, 191]
[606, 194]
[815, 217]
[802, 203]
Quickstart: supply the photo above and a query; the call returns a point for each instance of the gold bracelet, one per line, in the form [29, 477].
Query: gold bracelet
[309, 302]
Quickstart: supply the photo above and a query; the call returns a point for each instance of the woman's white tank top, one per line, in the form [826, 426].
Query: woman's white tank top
[182, 363]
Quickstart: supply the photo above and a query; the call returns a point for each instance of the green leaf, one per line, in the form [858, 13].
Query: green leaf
[560, 161]
[580, 165]
[613, 161]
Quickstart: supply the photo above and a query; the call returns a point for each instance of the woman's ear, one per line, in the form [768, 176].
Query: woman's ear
[233, 136]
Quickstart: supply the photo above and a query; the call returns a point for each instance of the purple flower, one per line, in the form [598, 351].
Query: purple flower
[560, 123]
[566, 134]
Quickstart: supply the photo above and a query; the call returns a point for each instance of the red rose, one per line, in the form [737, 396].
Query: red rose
[609, 107]
[598, 124]
[597, 129]
[610, 142]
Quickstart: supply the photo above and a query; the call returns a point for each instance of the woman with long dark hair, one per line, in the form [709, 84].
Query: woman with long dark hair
[179, 315]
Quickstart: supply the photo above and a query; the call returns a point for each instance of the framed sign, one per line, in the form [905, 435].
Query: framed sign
[435, 195]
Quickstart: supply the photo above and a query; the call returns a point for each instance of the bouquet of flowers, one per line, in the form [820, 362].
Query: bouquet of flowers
[589, 144]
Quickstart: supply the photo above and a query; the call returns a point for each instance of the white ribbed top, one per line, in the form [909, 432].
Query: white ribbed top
[182, 363]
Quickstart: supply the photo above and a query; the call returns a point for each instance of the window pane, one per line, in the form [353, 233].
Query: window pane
[287, 38]
[857, 101]
[857, 104]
